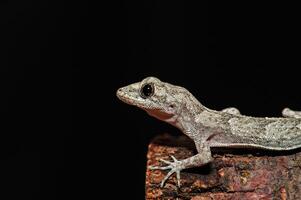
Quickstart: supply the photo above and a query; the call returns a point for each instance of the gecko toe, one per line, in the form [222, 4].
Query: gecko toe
[175, 166]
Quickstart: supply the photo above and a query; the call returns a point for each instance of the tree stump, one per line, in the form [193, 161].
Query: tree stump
[234, 174]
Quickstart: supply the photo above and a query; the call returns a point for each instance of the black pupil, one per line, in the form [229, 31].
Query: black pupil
[147, 90]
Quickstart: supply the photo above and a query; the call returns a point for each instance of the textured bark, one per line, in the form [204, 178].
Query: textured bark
[234, 173]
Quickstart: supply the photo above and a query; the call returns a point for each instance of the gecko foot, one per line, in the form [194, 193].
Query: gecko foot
[175, 167]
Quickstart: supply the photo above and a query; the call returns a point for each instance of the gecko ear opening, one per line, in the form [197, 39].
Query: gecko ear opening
[171, 108]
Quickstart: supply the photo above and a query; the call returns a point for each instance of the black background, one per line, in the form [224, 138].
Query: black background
[64, 134]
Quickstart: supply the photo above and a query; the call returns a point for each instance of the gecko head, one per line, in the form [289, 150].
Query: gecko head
[157, 98]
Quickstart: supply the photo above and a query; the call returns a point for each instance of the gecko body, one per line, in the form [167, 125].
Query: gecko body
[209, 128]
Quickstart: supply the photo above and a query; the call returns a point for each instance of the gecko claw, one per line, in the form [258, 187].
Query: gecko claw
[175, 167]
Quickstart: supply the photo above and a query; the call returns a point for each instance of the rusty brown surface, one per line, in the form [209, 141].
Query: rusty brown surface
[236, 174]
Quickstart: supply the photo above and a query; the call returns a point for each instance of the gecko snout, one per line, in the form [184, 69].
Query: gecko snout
[122, 93]
[119, 92]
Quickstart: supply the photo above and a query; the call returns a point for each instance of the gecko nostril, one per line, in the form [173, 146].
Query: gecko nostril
[119, 92]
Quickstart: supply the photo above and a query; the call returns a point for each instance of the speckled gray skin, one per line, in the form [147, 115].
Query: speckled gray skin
[209, 128]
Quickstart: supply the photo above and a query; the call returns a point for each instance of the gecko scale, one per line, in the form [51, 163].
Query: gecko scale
[209, 128]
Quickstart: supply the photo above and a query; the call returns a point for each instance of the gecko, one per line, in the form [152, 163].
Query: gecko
[209, 128]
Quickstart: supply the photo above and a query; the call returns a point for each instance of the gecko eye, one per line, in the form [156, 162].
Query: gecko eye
[147, 90]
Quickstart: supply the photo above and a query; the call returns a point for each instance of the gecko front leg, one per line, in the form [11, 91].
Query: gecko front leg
[286, 112]
[200, 159]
